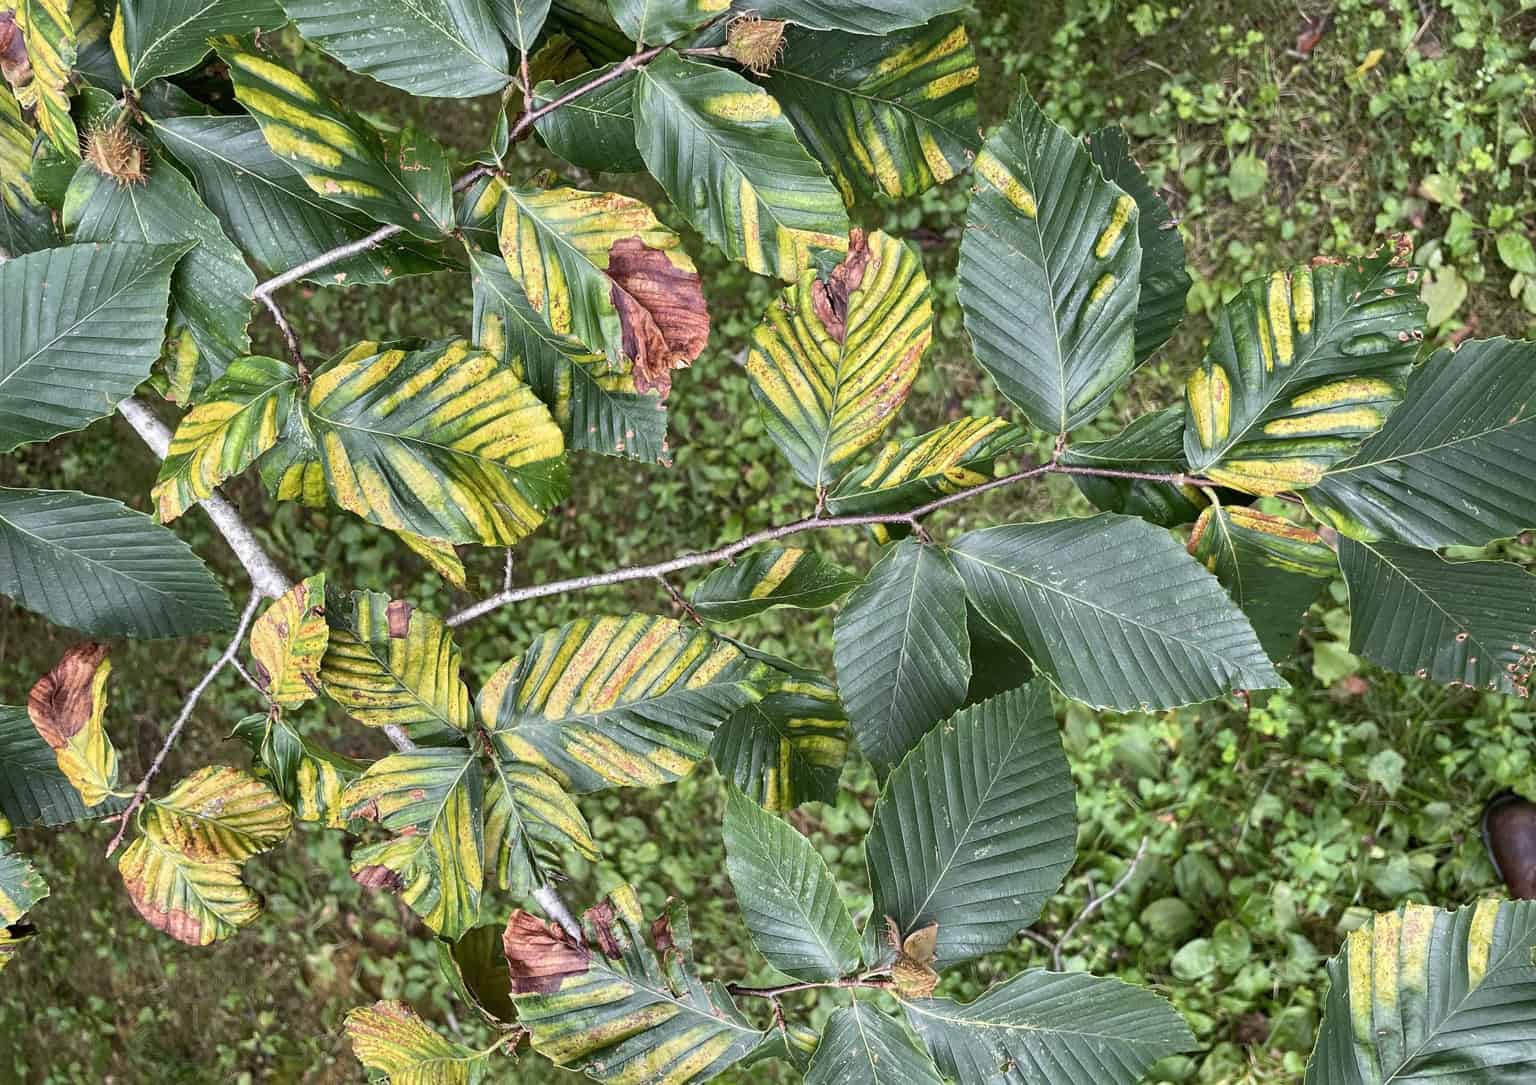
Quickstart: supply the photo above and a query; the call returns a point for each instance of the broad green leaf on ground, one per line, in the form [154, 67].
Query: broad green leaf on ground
[196, 903]
[389, 1038]
[152, 38]
[1113, 611]
[855, 16]
[614, 1007]
[730, 161]
[310, 779]
[433, 801]
[1425, 997]
[430, 48]
[788, 897]
[33, 789]
[521, 21]
[656, 22]
[1164, 282]
[595, 403]
[268, 209]
[787, 748]
[1463, 623]
[1067, 1028]
[242, 414]
[389, 663]
[92, 564]
[901, 650]
[905, 474]
[1304, 364]
[834, 356]
[1049, 271]
[618, 702]
[528, 816]
[862, 1046]
[1152, 444]
[288, 642]
[476, 969]
[443, 442]
[893, 115]
[404, 182]
[1453, 464]
[218, 813]
[773, 577]
[25, 224]
[597, 130]
[49, 41]
[599, 266]
[211, 287]
[21, 887]
[975, 828]
[83, 325]
[1273, 569]
[67, 706]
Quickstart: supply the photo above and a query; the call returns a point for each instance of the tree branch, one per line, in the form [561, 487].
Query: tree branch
[548, 898]
[790, 988]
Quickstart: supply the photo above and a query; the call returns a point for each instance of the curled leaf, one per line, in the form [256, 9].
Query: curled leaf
[66, 706]
[661, 310]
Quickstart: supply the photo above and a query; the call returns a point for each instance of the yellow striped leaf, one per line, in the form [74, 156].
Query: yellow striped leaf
[219, 813]
[48, 29]
[787, 748]
[617, 702]
[243, 414]
[66, 706]
[404, 181]
[1305, 364]
[773, 577]
[834, 357]
[389, 1038]
[615, 1008]
[196, 903]
[433, 800]
[292, 471]
[288, 641]
[732, 164]
[893, 115]
[389, 663]
[25, 224]
[905, 474]
[442, 442]
[438, 553]
[527, 816]
[310, 779]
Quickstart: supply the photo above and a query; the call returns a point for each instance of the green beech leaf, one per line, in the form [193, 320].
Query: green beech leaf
[21, 887]
[270, 212]
[905, 474]
[1113, 611]
[152, 38]
[1453, 464]
[404, 181]
[730, 161]
[1304, 364]
[893, 115]
[196, 903]
[595, 403]
[528, 815]
[218, 813]
[787, 748]
[1153, 444]
[618, 702]
[430, 48]
[656, 22]
[975, 828]
[1164, 282]
[1422, 996]
[25, 225]
[442, 442]
[1063, 1027]
[855, 16]
[997, 664]
[33, 789]
[773, 577]
[49, 43]
[390, 1038]
[597, 130]
[616, 1009]
[834, 356]
[476, 969]
[521, 21]
[1273, 569]
[92, 564]
[862, 1046]
[310, 779]
[1468, 623]
[788, 897]
[901, 649]
[88, 323]
[1050, 266]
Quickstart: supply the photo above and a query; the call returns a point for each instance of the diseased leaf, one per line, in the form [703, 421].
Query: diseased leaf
[152, 38]
[48, 30]
[834, 357]
[856, 16]
[788, 748]
[1151, 444]
[905, 474]
[595, 131]
[862, 1046]
[310, 779]
[528, 816]
[25, 224]
[656, 22]
[66, 706]
[196, 903]
[21, 886]
[389, 1038]
[288, 641]
[477, 970]
[33, 789]
[773, 577]
[730, 161]
[438, 553]
[218, 813]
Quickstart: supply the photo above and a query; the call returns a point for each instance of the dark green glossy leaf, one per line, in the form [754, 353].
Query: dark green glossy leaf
[1153, 443]
[773, 577]
[856, 16]
[33, 790]
[597, 130]
[862, 1046]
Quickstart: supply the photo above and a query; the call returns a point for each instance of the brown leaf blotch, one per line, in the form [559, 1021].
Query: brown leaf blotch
[661, 311]
[829, 296]
[379, 877]
[602, 916]
[398, 614]
[539, 954]
[60, 703]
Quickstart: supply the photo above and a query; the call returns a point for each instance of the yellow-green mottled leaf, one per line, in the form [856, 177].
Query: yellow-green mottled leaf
[310, 779]
[21, 887]
[834, 357]
[443, 442]
[288, 641]
[1426, 997]
[732, 164]
[66, 706]
[893, 115]
[905, 474]
[1304, 365]
[196, 903]
[47, 28]
[242, 414]
[774, 577]
[219, 813]
[528, 815]
[25, 224]
[438, 553]
[389, 663]
[616, 1009]
[389, 1038]
[153, 38]
[618, 702]
[291, 470]
[789, 747]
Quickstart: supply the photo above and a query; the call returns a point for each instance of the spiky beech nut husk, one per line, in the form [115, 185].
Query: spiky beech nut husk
[116, 152]
[755, 43]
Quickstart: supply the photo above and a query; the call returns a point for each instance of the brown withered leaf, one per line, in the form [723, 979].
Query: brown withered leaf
[15, 65]
[661, 310]
[829, 297]
[539, 954]
[63, 701]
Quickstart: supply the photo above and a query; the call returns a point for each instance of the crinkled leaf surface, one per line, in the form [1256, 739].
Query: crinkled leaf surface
[905, 474]
[288, 642]
[310, 779]
[390, 1038]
